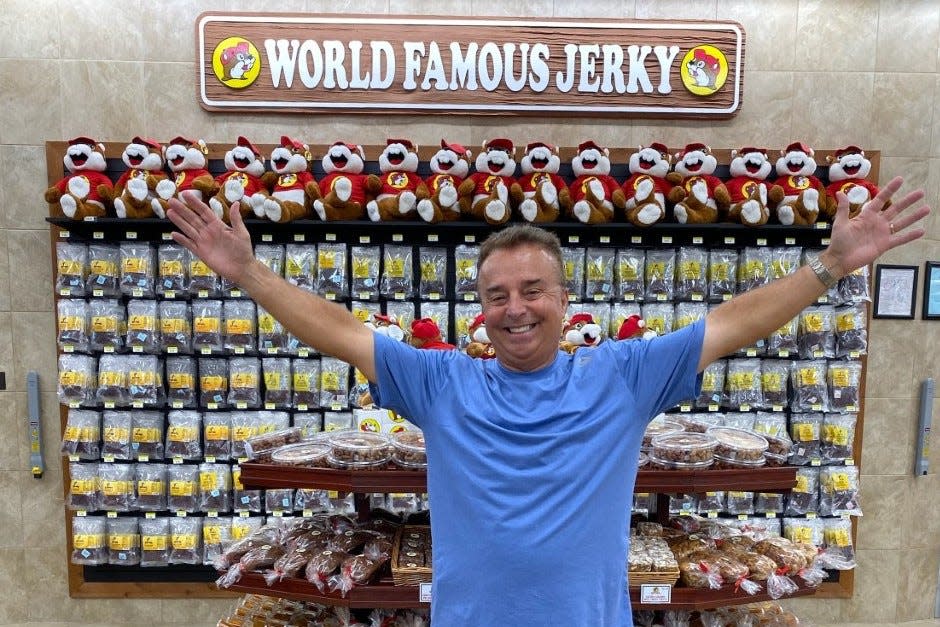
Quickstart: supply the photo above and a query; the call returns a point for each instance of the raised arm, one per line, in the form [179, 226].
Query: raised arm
[853, 243]
[326, 326]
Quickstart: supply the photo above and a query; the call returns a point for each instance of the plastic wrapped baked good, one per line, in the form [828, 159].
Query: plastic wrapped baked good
[660, 276]
[216, 535]
[154, 542]
[817, 337]
[116, 487]
[147, 435]
[244, 375]
[851, 331]
[142, 326]
[183, 493]
[185, 540]
[123, 542]
[83, 487]
[837, 437]
[332, 275]
[72, 324]
[806, 432]
[217, 436]
[138, 272]
[181, 382]
[82, 435]
[273, 338]
[145, 380]
[691, 274]
[240, 317]
[151, 487]
[300, 264]
[277, 382]
[71, 268]
[712, 395]
[77, 379]
[321, 565]
[839, 491]
[112, 387]
[629, 273]
[743, 384]
[722, 274]
[213, 382]
[89, 540]
[408, 449]
[176, 327]
[844, 379]
[207, 325]
[810, 393]
[215, 487]
[173, 263]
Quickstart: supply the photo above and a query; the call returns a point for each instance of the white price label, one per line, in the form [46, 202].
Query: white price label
[655, 593]
[424, 593]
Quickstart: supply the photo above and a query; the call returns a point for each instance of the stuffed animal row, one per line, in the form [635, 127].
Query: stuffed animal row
[660, 186]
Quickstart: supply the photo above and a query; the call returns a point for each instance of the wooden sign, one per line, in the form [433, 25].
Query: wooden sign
[446, 65]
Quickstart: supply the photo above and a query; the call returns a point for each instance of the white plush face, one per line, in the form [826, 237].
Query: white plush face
[385, 328]
[287, 160]
[243, 159]
[850, 166]
[796, 162]
[340, 158]
[398, 158]
[80, 157]
[181, 157]
[479, 335]
[540, 159]
[649, 161]
[142, 157]
[590, 161]
[696, 162]
[754, 164]
[495, 161]
[583, 334]
[446, 161]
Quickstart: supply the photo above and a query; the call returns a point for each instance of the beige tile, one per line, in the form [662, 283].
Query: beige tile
[34, 349]
[593, 8]
[82, 18]
[831, 109]
[30, 101]
[901, 104]
[932, 223]
[917, 584]
[935, 128]
[815, 611]
[881, 498]
[13, 455]
[917, 24]
[514, 9]
[920, 526]
[30, 259]
[430, 7]
[175, 111]
[891, 348]
[888, 436]
[873, 601]
[676, 9]
[110, 94]
[13, 602]
[114, 611]
[835, 37]
[43, 507]
[768, 95]
[765, 26]
[371, 7]
[23, 181]
[6, 348]
[4, 272]
[39, 41]
[46, 583]
[11, 519]
[195, 611]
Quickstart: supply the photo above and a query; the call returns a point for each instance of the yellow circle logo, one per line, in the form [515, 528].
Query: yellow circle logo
[236, 62]
[704, 70]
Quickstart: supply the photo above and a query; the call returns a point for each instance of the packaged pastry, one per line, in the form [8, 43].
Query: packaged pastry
[837, 437]
[359, 449]
[216, 535]
[722, 274]
[77, 379]
[277, 382]
[630, 270]
[213, 382]
[573, 269]
[804, 497]
[712, 395]
[743, 384]
[258, 448]
[775, 374]
[183, 483]
[322, 565]
[240, 317]
[806, 433]
[817, 338]
[181, 382]
[660, 276]
[207, 325]
[215, 487]
[173, 263]
[185, 540]
[145, 380]
[89, 540]
[176, 327]
[599, 274]
[273, 338]
[433, 279]
[138, 276]
[106, 323]
[71, 268]
[123, 542]
[851, 331]
[217, 436]
[305, 383]
[72, 325]
[112, 387]
[691, 274]
[147, 435]
[844, 379]
[839, 491]
[154, 542]
[738, 444]
[300, 265]
[334, 383]
[754, 267]
[183, 435]
[151, 487]
[332, 276]
[810, 392]
[311, 454]
[142, 326]
[82, 435]
[365, 272]
[408, 449]
[83, 487]
[116, 487]
[244, 382]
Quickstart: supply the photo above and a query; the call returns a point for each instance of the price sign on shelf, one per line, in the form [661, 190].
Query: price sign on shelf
[655, 593]
[424, 593]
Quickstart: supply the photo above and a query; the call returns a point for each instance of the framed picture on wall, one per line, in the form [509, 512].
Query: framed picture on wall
[895, 291]
[931, 310]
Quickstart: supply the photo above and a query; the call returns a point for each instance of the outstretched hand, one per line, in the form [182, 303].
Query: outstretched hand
[858, 241]
[225, 249]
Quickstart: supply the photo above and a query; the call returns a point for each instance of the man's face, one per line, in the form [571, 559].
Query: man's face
[524, 303]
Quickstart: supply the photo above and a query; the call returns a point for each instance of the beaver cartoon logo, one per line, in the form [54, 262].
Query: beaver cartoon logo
[236, 62]
[704, 70]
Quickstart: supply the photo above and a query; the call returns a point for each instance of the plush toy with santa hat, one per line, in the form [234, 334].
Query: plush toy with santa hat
[750, 196]
[241, 182]
[293, 188]
[78, 195]
[804, 196]
[480, 346]
[634, 328]
[848, 173]
[647, 189]
[484, 195]
[437, 195]
[580, 331]
[540, 194]
[136, 187]
[426, 334]
[186, 159]
[594, 193]
[345, 190]
[698, 195]
[396, 200]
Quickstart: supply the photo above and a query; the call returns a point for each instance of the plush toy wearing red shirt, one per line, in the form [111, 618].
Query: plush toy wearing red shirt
[437, 196]
[292, 186]
[594, 193]
[480, 346]
[136, 188]
[804, 195]
[749, 193]
[78, 195]
[241, 182]
[396, 200]
[699, 195]
[345, 190]
[848, 173]
[581, 331]
[426, 334]
[485, 194]
[187, 161]
[647, 188]
[540, 194]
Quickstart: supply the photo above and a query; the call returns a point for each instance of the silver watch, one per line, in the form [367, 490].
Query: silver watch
[822, 273]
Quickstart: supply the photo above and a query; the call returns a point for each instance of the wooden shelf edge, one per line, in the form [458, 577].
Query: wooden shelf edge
[384, 594]
[695, 599]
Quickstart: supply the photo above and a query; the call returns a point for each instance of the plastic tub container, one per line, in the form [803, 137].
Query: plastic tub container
[665, 464]
[725, 462]
[659, 427]
[408, 449]
[308, 454]
[738, 444]
[684, 447]
[260, 447]
[358, 448]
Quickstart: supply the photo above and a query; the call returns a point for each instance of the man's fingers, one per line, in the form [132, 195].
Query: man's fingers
[842, 207]
[235, 217]
[903, 203]
[905, 220]
[885, 194]
[182, 240]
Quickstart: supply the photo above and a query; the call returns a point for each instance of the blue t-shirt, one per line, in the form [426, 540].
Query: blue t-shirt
[530, 474]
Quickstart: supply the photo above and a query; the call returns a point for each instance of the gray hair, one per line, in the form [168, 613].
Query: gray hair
[521, 235]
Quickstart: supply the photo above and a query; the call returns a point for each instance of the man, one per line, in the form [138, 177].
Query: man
[532, 455]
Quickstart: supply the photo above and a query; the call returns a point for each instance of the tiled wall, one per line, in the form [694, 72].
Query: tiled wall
[829, 73]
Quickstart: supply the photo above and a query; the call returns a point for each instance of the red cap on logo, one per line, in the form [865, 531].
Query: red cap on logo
[692, 148]
[748, 149]
[183, 141]
[82, 140]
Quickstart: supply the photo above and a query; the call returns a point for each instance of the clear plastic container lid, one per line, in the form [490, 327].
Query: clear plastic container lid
[409, 441]
[309, 453]
[778, 446]
[356, 465]
[360, 447]
[675, 465]
[643, 460]
[267, 442]
[684, 440]
[730, 462]
[738, 444]
[660, 427]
